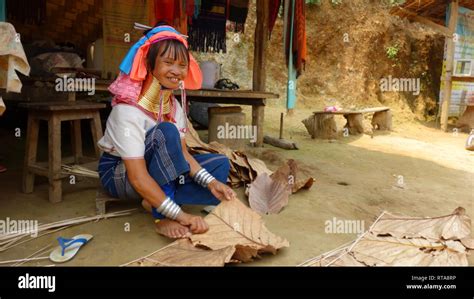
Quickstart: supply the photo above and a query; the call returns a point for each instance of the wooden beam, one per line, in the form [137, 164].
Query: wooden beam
[463, 79]
[260, 45]
[259, 68]
[434, 26]
[448, 85]
[423, 20]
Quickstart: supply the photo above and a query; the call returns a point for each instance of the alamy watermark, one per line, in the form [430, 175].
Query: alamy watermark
[68, 84]
[344, 226]
[412, 85]
[12, 227]
[228, 131]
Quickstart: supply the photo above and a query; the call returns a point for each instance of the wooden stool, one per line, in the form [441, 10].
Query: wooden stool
[101, 200]
[54, 113]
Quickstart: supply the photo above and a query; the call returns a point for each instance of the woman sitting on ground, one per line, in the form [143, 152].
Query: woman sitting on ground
[145, 155]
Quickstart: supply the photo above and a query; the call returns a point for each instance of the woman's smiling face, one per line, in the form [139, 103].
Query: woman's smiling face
[170, 68]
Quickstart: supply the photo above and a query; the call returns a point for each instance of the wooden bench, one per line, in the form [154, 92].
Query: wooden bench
[54, 113]
[256, 99]
[322, 124]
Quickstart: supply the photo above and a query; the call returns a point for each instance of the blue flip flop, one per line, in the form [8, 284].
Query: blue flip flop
[68, 248]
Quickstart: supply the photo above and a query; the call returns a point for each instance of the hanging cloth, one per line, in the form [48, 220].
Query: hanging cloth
[238, 10]
[274, 8]
[207, 33]
[12, 59]
[173, 12]
[299, 36]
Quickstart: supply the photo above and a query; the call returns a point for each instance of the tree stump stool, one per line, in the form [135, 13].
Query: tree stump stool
[322, 124]
[354, 123]
[382, 120]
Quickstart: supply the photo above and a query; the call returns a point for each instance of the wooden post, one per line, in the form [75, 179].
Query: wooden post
[54, 161]
[260, 45]
[281, 125]
[259, 70]
[32, 131]
[448, 85]
[96, 130]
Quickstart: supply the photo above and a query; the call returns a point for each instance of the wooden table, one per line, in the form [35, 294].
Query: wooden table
[54, 113]
[256, 99]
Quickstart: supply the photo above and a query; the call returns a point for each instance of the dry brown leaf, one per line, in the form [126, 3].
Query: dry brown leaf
[268, 196]
[183, 253]
[258, 166]
[406, 241]
[193, 140]
[468, 243]
[454, 226]
[286, 174]
[390, 251]
[302, 184]
[234, 224]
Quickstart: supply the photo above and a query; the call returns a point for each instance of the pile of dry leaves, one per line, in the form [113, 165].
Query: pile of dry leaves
[268, 191]
[395, 240]
[236, 234]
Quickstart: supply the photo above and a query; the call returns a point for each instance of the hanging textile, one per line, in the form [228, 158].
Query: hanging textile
[197, 8]
[12, 59]
[207, 33]
[299, 36]
[2, 11]
[274, 8]
[173, 12]
[189, 11]
[237, 13]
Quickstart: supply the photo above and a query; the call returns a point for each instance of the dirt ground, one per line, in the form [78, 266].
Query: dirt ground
[356, 179]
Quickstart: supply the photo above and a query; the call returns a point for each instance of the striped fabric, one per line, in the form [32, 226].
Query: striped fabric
[165, 164]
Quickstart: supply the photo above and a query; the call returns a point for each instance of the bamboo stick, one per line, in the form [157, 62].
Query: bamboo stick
[9, 240]
[33, 254]
[81, 171]
[27, 259]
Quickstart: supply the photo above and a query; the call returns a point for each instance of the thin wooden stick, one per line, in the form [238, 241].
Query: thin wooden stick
[28, 259]
[357, 240]
[324, 255]
[81, 171]
[147, 256]
[31, 239]
[347, 246]
[33, 254]
[11, 241]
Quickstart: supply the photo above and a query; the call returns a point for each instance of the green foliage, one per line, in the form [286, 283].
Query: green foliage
[392, 52]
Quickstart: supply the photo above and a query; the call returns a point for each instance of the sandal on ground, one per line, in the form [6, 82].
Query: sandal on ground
[68, 248]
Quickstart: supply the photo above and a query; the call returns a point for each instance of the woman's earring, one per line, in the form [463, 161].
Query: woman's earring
[181, 84]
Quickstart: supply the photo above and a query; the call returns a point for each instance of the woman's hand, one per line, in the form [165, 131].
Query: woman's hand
[196, 224]
[221, 191]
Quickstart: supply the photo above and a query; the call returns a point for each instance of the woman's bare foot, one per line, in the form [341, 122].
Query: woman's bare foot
[172, 229]
[167, 227]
